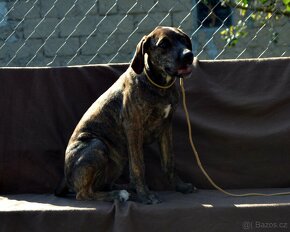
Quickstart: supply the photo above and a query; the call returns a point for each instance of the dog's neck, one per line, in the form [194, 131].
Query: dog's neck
[160, 78]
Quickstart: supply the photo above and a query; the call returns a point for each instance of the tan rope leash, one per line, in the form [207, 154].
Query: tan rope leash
[155, 84]
[200, 164]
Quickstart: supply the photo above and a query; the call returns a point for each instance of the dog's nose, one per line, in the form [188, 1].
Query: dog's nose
[187, 56]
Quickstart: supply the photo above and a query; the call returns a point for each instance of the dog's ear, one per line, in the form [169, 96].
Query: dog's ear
[137, 63]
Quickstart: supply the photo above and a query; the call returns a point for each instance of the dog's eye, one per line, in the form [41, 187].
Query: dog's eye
[164, 44]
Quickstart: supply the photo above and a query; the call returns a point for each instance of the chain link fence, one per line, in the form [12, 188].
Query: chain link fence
[78, 32]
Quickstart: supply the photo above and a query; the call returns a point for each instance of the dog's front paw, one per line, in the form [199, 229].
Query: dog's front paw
[185, 188]
[123, 195]
[149, 198]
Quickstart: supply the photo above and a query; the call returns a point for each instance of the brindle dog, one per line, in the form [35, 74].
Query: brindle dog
[132, 113]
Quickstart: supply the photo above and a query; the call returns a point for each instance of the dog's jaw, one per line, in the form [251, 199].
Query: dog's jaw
[168, 77]
[185, 72]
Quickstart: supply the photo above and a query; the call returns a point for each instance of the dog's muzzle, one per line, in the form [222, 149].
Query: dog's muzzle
[187, 57]
[186, 60]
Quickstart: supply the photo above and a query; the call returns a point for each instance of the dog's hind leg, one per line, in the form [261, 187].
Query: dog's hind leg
[93, 188]
[93, 174]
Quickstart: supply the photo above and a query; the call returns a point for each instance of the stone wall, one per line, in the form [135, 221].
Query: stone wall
[70, 32]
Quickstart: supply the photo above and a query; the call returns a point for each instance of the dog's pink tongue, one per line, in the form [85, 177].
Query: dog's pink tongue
[185, 71]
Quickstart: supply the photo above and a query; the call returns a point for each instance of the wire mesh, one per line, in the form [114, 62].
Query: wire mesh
[77, 32]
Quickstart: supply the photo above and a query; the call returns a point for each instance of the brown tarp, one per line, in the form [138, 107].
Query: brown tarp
[240, 116]
[205, 211]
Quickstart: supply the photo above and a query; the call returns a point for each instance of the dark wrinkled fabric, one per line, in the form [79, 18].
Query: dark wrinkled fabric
[240, 117]
[207, 210]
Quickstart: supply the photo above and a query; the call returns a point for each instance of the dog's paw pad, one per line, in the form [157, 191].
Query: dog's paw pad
[124, 195]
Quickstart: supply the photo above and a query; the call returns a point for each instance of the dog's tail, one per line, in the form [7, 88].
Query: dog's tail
[62, 189]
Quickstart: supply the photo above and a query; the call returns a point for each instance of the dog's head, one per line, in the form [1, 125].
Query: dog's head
[166, 49]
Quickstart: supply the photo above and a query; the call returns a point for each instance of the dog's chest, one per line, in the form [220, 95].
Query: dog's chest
[167, 110]
[160, 113]
[157, 120]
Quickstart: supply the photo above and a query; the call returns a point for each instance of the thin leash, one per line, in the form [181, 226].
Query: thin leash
[200, 165]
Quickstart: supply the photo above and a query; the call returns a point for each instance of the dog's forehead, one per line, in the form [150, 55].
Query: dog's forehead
[169, 32]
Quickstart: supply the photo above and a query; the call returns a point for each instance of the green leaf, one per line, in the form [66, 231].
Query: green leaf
[243, 12]
[245, 2]
[224, 32]
[268, 16]
[233, 42]
[287, 5]
[205, 2]
[263, 1]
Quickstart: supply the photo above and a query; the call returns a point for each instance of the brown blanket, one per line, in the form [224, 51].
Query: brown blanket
[207, 210]
[240, 116]
[239, 112]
